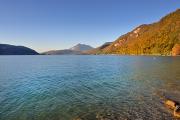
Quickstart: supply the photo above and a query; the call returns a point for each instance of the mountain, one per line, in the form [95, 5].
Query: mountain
[81, 47]
[62, 52]
[6, 49]
[75, 50]
[98, 49]
[160, 38]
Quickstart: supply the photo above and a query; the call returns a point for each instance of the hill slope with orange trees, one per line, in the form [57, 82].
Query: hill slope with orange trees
[158, 38]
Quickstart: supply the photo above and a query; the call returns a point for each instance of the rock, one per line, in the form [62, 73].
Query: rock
[174, 106]
[176, 50]
[177, 111]
[171, 104]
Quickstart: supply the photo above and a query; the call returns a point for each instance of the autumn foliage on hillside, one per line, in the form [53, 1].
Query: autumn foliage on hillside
[158, 38]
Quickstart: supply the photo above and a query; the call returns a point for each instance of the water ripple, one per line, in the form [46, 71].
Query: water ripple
[87, 87]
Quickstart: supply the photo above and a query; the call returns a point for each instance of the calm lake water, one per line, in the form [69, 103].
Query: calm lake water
[87, 87]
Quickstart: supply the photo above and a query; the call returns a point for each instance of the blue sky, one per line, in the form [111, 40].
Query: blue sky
[58, 24]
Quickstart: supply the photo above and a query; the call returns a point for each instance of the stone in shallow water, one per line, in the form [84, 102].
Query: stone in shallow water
[174, 106]
[171, 104]
[177, 111]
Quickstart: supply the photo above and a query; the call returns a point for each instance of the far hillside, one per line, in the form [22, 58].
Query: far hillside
[75, 50]
[160, 38]
[6, 49]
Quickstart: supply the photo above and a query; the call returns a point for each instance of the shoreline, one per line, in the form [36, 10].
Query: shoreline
[100, 55]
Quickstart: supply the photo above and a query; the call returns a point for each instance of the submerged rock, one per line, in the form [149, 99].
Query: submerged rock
[175, 106]
[177, 111]
[171, 104]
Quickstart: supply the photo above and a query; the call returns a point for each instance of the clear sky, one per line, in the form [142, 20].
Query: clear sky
[58, 24]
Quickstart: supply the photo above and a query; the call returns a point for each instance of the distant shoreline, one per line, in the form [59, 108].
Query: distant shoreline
[98, 55]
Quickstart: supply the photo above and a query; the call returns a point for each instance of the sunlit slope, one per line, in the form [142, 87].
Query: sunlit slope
[158, 38]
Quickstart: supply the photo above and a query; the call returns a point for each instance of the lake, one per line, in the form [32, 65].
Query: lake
[89, 87]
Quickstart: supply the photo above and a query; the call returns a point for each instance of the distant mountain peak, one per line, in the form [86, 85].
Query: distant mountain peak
[78, 49]
[81, 47]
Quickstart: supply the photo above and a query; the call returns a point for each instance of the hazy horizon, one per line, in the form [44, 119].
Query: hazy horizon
[51, 25]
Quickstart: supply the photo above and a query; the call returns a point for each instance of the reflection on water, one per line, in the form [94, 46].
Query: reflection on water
[87, 87]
